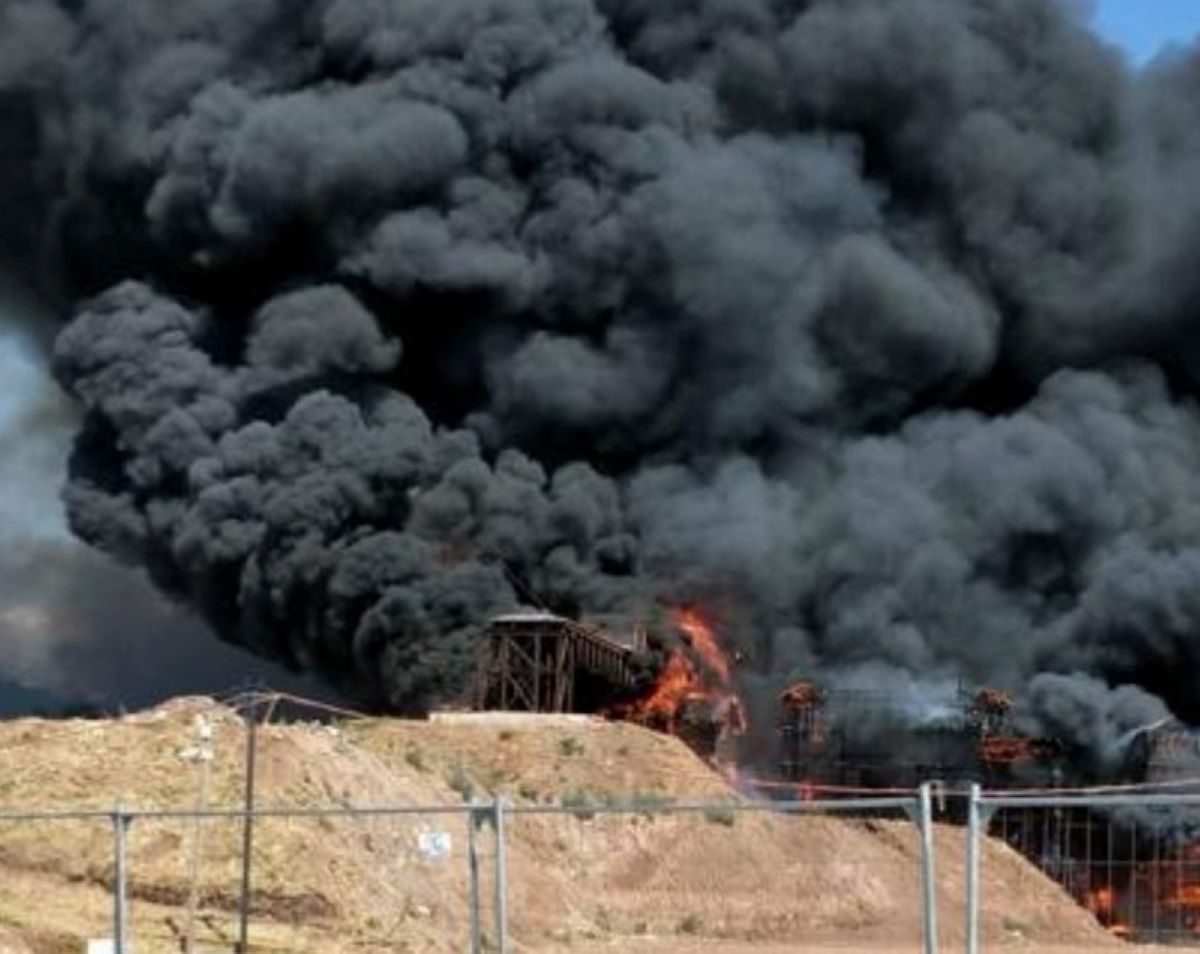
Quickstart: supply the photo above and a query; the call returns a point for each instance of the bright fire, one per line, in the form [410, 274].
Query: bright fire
[1185, 896]
[704, 642]
[705, 679]
[1168, 892]
[676, 684]
[1100, 903]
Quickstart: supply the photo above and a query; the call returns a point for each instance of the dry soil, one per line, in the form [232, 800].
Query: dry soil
[718, 882]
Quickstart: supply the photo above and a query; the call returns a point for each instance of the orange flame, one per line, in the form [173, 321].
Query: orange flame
[1177, 898]
[674, 686]
[1178, 894]
[1102, 903]
[1099, 902]
[1183, 896]
[683, 680]
[1005, 750]
[1167, 887]
[704, 642]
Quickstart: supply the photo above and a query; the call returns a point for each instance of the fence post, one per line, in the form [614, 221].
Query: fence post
[501, 878]
[928, 883]
[978, 817]
[973, 835]
[473, 816]
[243, 943]
[120, 820]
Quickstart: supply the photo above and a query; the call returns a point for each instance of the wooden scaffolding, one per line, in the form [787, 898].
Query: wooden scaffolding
[531, 662]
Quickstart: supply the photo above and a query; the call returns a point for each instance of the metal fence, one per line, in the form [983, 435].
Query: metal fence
[674, 879]
[427, 863]
[471, 877]
[475, 876]
[1130, 857]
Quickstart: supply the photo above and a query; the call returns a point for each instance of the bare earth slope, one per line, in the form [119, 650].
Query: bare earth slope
[640, 881]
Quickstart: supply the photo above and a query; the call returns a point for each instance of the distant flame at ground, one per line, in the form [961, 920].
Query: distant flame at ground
[1099, 902]
[1166, 890]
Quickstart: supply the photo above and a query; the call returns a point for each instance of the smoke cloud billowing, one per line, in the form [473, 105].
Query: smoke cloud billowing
[869, 325]
[76, 628]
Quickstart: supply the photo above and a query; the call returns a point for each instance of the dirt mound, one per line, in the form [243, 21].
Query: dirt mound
[10, 943]
[332, 884]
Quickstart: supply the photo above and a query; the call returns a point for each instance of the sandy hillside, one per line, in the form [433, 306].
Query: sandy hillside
[645, 880]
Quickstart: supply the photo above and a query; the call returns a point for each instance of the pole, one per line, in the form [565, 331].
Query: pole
[973, 835]
[243, 945]
[473, 814]
[501, 876]
[201, 754]
[120, 828]
[928, 884]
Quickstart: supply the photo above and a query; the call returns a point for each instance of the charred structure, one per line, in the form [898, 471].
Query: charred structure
[1137, 872]
[538, 662]
[973, 740]
[1136, 869]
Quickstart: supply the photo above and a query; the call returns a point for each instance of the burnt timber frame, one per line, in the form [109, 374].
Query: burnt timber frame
[530, 663]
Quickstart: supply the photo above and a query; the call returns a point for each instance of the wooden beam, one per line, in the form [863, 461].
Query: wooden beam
[534, 666]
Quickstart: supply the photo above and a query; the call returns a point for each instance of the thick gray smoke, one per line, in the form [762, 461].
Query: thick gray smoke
[76, 628]
[867, 324]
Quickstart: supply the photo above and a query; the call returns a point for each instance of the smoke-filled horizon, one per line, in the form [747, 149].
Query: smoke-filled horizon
[868, 325]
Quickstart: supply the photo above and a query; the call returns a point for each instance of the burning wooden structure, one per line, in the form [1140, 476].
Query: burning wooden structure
[539, 662]
[972, 740]
[1139, 876]
[1137, 872]
[693, 696]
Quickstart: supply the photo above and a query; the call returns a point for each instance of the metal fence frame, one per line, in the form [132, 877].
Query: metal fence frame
[122, 818]
[918, 807]
[981, 806]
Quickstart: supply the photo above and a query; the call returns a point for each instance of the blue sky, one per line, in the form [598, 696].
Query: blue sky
[1142, 27]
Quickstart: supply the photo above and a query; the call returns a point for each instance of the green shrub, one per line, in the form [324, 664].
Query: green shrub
[461, 782]
[649, 803]
[720, 816]
[570, 746]
[527, 791]
[580, 801]
[415, 758]
[690, 925]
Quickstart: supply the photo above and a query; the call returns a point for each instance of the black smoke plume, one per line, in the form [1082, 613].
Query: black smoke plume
[870, 324]
[78, 631]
